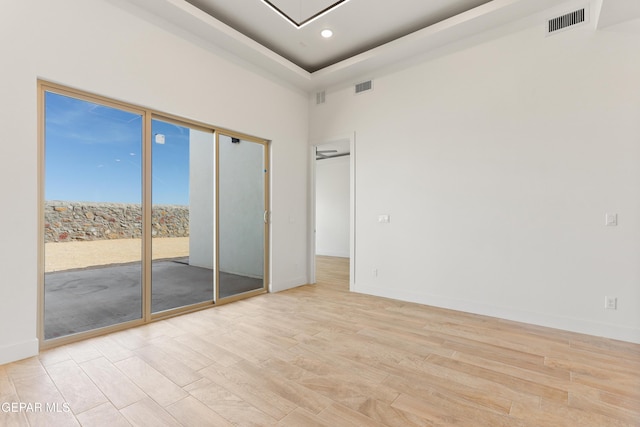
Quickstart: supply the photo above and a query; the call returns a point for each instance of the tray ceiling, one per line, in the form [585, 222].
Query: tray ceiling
[357, 25]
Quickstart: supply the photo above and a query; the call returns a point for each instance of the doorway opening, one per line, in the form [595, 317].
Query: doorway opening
[333, 208]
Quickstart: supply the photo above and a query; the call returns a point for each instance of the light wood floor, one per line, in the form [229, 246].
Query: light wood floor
[321, 356]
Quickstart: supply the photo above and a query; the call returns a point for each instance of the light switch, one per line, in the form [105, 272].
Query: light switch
[611, 219]
[383, 218]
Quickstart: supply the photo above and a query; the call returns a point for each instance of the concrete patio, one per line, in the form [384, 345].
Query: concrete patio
[105, 287]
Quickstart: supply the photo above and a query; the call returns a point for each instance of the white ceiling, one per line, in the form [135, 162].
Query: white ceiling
[338, 147]
[358, 25]
[369, 35]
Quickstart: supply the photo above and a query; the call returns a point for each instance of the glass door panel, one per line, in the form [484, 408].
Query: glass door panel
[242, 210]
[92, 215]
[182, 217]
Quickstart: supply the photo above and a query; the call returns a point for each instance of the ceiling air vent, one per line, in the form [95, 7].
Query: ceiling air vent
[321, 97]
[568, 20]
[364, 86]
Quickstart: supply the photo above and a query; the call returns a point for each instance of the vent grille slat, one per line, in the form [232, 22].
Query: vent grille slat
[567, 20]
[364, 86]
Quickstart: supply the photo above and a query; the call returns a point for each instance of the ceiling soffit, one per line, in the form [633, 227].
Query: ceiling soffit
[358, 25]
[299, 12]
[472, 26]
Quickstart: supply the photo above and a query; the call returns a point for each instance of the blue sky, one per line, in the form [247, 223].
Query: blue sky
[93, 153]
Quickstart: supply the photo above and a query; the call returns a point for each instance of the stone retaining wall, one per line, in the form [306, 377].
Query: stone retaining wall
[78, 221]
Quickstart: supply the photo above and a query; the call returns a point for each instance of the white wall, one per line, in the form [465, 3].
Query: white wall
[201, 193]
[97, 46]
[332, 207]
[497, 163]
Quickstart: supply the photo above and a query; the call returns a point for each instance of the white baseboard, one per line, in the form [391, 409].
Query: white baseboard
[541, 319]
[288, 284]
[333, 254]
[11, 353]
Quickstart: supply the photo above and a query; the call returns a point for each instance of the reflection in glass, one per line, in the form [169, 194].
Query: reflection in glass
[93, 218]
[182, 216]
[241, 188]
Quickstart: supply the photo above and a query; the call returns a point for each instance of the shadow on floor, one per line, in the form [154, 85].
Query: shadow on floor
[95, 297]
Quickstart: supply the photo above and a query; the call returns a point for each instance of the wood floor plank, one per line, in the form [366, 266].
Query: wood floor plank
[76, 387]
[83, 351]
[554, 414]
[114, 384]
[350, 391]
[366, 415]
[105, 415]
[319, 355]
[556, 378]
[442, 411]
[208, 349]
[111, 349]
[628, 401]
[31, 367]
[191, 358]
[264, 327]
[130, 339]
[13, 418]
[191, 412]
[228, 405]
[433, 373]
[589, 399]
[40, 389]
[236, 342]
[53, 356]
[6, 385]
[415, 344]
[152, 382]
[424, 386]
[385, 414]
[360, 362]
[301, 417]
[167, 365]
[294, 392]
[585, 363]
[521, 385]
[147, 413]
[616, 384]
[9, 397]
[242, 385]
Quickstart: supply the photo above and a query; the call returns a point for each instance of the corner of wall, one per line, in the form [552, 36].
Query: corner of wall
[18, 351]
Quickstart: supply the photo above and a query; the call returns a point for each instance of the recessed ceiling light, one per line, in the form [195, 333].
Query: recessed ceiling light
[326, 33]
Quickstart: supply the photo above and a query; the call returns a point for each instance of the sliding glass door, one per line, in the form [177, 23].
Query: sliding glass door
[243, 215]
[92, 215]
[182, 217]
[143, 216]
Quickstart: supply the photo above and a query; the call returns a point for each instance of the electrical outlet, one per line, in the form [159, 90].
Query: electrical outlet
[611, 303]
[375, 272]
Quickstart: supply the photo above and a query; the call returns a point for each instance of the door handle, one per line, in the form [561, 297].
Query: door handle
[266, 217]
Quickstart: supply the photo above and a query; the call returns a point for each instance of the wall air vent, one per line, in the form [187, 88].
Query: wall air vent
[364, 86]
[321, 97]
[566, 21]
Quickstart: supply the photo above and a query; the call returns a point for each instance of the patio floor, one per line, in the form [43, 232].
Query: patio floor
[89, 298]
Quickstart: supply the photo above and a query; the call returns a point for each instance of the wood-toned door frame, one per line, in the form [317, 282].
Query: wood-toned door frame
[267, 216]
[148, 232]
[148, 115]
